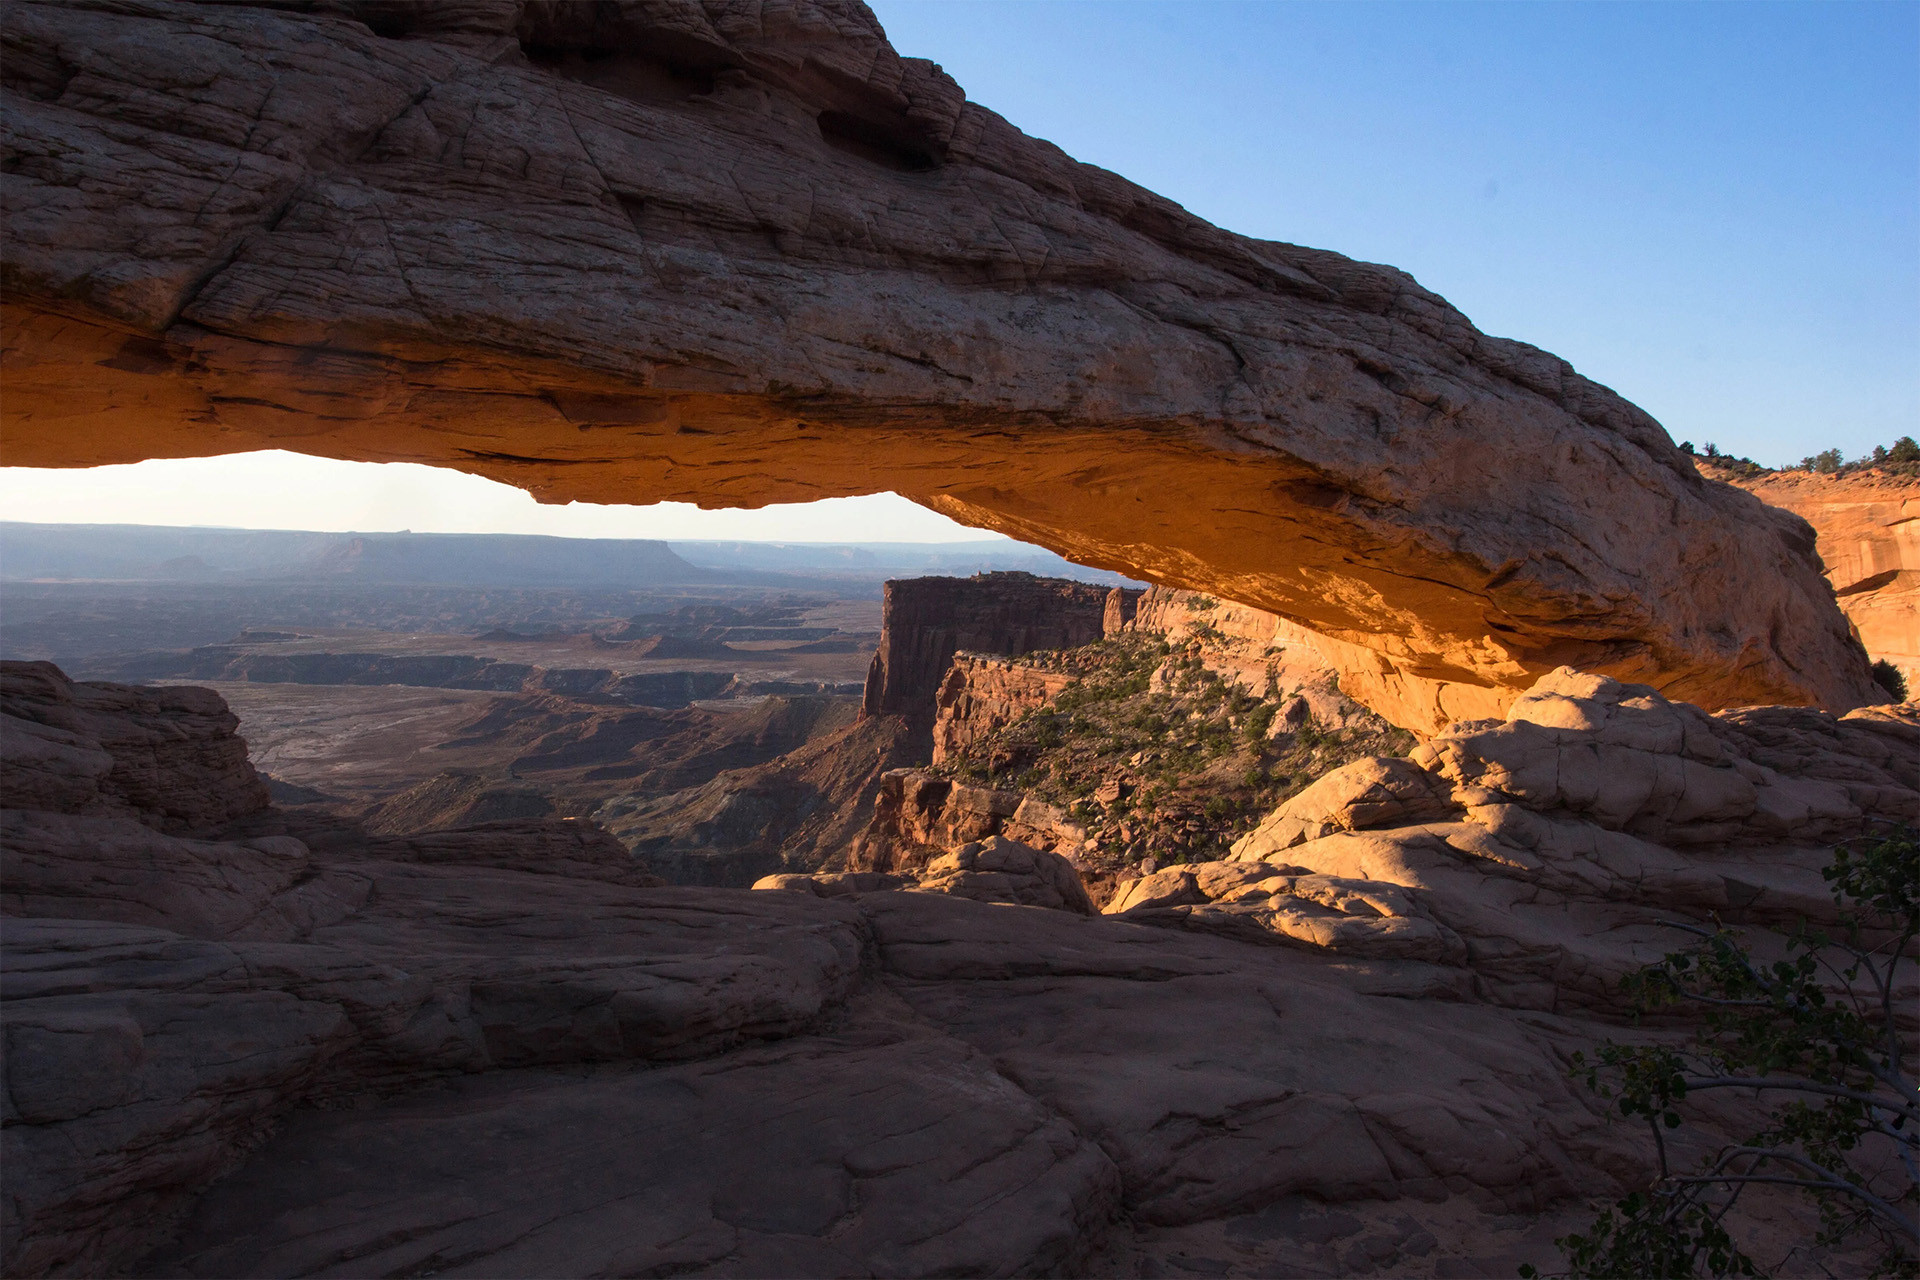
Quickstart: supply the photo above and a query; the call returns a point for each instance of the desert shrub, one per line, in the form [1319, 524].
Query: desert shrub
[1814, 1034]
[1888, 677]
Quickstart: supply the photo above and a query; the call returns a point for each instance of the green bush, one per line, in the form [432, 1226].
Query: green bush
[1888, 677]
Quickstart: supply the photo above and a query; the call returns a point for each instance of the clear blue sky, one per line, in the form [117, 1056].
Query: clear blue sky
[1712, 208]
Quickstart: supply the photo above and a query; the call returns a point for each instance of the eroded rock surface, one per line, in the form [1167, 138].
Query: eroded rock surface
[737, 254]
[166, 757]
[1868, 531]
[278, 1054]
[1539, 856]
[925, 621]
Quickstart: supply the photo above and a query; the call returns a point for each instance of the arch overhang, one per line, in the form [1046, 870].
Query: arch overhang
[735, 254]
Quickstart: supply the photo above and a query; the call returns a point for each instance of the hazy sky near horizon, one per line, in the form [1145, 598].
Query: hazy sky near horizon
[1712, 208]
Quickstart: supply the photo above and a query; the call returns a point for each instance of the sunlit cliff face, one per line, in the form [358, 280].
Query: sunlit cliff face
[780, 263]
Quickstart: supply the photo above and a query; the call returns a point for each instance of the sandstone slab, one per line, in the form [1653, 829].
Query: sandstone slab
[814, 1157]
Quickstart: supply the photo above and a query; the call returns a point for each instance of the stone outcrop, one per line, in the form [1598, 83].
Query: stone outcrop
[1533, 860]
[991, 870]
[277, 1049]
[1868, 533]
[736, 254]
[1001, 870]
[981, 694]
[165, 757]
[917, 816]
[1256, 649]
[925, 621]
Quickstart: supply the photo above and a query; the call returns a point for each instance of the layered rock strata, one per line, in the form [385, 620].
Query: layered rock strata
[925, 621]
[980, 694]
[732, 254]
[1868, 531]
[167, 758]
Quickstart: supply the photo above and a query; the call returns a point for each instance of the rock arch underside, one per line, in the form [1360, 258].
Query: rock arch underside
[736, 253]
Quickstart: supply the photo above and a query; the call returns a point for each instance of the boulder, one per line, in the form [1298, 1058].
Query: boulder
[834, 884]
[1381, 791]
[1000, 870]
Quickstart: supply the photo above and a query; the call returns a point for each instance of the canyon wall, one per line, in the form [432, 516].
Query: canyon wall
[980, 694]
[730, 253]
[1869, 537]
[925, 621]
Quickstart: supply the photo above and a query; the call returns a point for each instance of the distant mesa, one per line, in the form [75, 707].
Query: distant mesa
[182, 567]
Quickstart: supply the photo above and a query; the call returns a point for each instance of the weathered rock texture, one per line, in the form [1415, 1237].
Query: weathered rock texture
[166, 757]
[925, 621]
[917, 816]
[737, 254]
[980, 694]
[991, 870]
[1254, 648]
[1536, 857]
[983, 782]
[262, 1054]
[1868, 532]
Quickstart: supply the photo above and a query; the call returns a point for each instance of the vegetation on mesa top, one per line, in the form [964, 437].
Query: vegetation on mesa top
[1156, 755]
[1902, 458]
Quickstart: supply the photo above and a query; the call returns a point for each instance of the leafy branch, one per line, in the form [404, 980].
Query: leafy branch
[1816, 1035]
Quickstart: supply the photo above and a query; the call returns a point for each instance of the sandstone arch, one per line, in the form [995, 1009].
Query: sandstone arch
[738, 252]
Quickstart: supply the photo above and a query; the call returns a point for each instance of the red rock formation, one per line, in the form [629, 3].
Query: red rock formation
[1868, 526]
[925, 621]
[981, 694]
[1249, 646]
[918, 816]
[1468, 854]
[732, 253]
